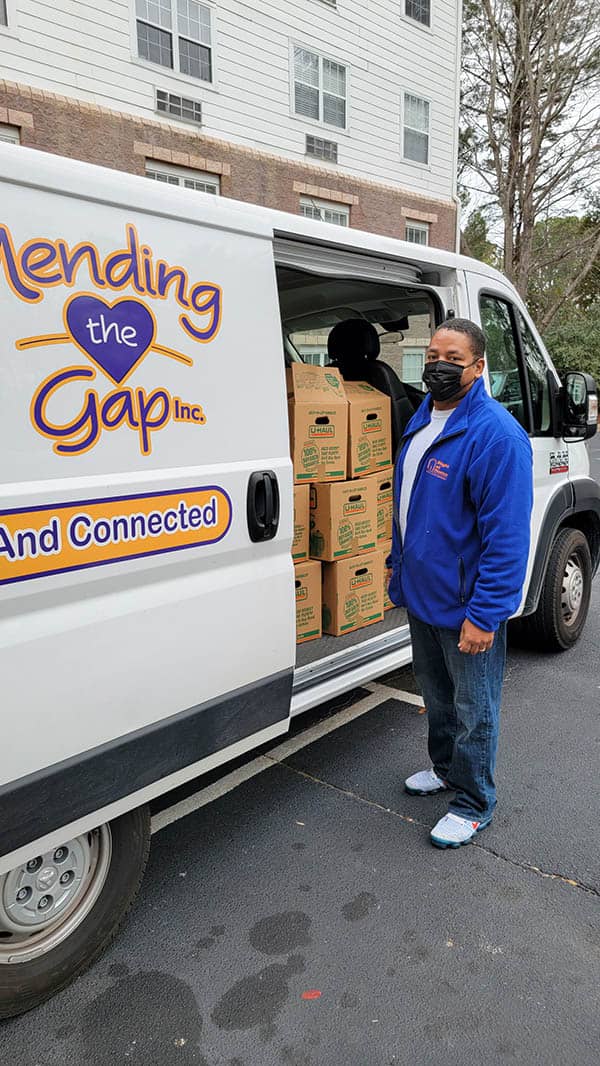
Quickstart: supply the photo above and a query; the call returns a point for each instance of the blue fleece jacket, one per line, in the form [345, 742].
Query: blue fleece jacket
[466, 546]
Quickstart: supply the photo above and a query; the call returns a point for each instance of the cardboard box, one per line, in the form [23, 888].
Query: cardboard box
[384, 481]
[318, 412]
[307, 578]
[369, 429]
[301, 523]
[343, 519]
[385, 546]
[352, 593]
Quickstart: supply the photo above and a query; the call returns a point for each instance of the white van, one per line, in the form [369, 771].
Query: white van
[147, 632]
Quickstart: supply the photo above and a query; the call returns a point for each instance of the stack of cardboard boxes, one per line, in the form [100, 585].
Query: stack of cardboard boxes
[340, 434]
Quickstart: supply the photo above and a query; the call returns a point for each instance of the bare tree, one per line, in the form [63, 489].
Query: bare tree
[531, 119]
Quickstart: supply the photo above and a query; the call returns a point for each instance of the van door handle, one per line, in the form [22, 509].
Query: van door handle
[263, 505]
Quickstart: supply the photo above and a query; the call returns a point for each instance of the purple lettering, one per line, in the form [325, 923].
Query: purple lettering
[71, 261]
[154, 523]
[159, 399]
[165, 275]
[206, 300]
[127, 259]
[9, 261]
[32, 264]
[73, 532]
[122, 403]
[86, 421]
[182, 515]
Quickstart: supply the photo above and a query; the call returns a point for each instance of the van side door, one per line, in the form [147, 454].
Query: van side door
[147, 627]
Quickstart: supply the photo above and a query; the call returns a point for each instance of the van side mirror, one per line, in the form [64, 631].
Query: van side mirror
[579, 406]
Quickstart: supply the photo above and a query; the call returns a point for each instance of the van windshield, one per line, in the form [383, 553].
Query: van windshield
[311, 305]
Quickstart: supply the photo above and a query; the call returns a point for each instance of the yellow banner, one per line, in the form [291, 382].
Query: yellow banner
[58, 538]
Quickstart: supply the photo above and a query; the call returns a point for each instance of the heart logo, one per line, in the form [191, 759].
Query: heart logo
[114, 336]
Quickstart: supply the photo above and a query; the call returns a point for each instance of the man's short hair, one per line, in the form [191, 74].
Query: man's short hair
[472, 331]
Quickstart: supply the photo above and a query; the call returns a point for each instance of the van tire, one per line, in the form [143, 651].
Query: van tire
[24, 985]
[555, 625]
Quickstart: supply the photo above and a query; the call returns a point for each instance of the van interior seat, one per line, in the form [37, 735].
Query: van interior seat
[353, 347]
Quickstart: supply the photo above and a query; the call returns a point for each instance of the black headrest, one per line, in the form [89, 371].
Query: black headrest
[353, 341]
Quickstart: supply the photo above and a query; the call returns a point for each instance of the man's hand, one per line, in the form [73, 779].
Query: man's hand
[474, 640]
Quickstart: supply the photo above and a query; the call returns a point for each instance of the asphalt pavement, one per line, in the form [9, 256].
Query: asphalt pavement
[303, 919]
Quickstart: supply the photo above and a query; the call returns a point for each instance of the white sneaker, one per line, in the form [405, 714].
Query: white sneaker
[451, 831]
[425, 783]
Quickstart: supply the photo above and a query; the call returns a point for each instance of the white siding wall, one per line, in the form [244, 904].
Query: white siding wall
[87, 49]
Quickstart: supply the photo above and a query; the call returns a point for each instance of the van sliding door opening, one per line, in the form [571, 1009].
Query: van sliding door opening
[399, 318]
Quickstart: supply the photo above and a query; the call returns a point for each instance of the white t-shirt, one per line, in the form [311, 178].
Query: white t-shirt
[416, 450]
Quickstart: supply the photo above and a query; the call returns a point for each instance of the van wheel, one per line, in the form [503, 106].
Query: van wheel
[563, 608]
[60, 910]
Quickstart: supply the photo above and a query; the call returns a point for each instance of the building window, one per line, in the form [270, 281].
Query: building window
[416, 129]
[419, 10]
[417, 232]
[10, 134]
[321, 149]
[179, 107]
[325, 211]
[3, 13]
[319, 88]
[184, 177]
[176, 34]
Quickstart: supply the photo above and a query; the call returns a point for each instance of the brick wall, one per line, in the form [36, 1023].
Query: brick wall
[85, 131]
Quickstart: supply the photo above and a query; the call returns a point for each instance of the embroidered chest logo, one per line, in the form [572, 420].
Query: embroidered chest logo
[437, 468]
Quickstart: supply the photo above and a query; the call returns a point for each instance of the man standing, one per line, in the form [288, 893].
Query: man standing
[463, 497]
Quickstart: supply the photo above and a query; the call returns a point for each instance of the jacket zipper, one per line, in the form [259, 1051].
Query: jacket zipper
[462, 580]
[438, 440]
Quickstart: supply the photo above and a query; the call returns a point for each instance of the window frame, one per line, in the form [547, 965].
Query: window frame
[415, 224]
[403, 126]
[9, 27]
[315, 155]
[523, 376]
[195, 123]
[549, 432]
[414, 352]
[13, 131]
[175, 71]
[417, 22]
[326, 205]
[318, 123]
[205, 176]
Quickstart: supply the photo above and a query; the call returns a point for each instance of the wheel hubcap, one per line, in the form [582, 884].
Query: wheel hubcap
[572, 591]
[45, 899]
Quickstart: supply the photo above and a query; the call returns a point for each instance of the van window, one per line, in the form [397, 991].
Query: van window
[536, 368]
[501, 352]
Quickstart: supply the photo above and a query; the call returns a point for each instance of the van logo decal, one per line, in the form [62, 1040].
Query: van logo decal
[61, 537]
[115, 336]
[559, 462]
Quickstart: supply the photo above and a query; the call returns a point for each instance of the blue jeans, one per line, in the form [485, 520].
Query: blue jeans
[462, 695]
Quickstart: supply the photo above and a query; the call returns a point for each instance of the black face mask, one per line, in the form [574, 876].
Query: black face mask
[444, 380]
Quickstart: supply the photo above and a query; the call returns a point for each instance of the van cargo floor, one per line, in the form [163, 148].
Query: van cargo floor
[320, 649]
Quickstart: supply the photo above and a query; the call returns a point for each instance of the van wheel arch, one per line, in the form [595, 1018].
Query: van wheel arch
[38, 962]
[588, 522]
[561, 612]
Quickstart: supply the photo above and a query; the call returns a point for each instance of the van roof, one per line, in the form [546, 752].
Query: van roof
[73, 178]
